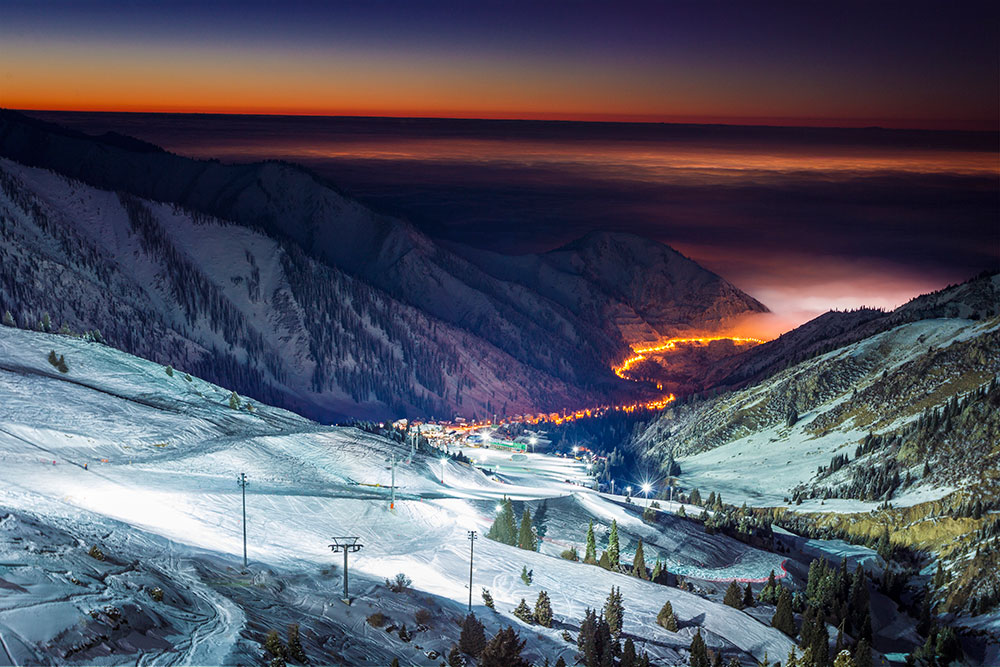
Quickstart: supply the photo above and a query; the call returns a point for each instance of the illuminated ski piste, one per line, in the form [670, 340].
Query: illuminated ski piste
[162, 456]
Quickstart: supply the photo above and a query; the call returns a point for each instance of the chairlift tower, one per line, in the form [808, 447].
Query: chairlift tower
[346, 545]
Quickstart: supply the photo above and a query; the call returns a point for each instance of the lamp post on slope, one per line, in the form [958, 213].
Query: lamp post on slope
[242, 481]
[472, 547]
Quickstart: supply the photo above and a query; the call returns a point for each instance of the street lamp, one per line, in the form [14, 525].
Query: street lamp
[645, 491]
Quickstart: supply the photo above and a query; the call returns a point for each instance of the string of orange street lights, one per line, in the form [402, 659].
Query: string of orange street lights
[622, 371]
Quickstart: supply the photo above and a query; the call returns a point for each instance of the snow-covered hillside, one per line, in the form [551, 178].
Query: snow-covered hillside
[118, 453]
[758, 444]
[231, 303]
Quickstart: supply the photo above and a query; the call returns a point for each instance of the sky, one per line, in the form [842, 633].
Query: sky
[894, 64]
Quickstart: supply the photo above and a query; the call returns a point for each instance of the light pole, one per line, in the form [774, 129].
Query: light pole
[242, 481]
[443, 461]
[346, 545]
[645, 491]
[472, 546]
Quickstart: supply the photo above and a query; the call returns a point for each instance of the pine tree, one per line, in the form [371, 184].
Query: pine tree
[560, 662]
[455, 658]
[591, 554]
[273, 645]
[543, 610]
[605, 561]
[748, 596]
[667, 618]
[699, 652]
[769, 594]
[8, 319]
[234, 401]
[657, 571]
[295, 644]
[614, 611]
[734, 596]
[504, 650]
[46, 323]
[526, 575]
[863, 654]
[472, 639]
[639, 563]
[629, 658]
[820, 644]
[884, 546]
[939, 578]
[843, 659]
[586, 639]
[488, 598]
[791, 661]
[504, 528]
[783, 618]
[613, 551]
[695, 497]
[526, 536]
[523, 612]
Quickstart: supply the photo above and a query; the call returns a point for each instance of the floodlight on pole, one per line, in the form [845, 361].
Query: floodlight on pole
[345, 545]
[646, 488]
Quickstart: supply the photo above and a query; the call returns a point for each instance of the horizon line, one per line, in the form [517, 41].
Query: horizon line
[638, 119]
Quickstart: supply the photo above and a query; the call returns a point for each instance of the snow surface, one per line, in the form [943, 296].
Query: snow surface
[159, 491]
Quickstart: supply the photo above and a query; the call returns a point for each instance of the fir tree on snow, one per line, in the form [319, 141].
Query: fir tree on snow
[523, 612]
[543, 610]
[526, 575]
[504, 528]
[526, 536]
[699, 652]
[769, 594]
[605, 561]
[504, 650]
[472, 638]
[748, 596]
[488, 598]
[639, 563]
[455, 657]
[613, 550]
[234, 401]
[734, 596]
[629, 658]
[783, 618]
[614, 611]
[595, 641]
[667, 619]
[590, 556]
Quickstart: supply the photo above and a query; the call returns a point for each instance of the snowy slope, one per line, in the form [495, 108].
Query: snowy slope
[158, 495]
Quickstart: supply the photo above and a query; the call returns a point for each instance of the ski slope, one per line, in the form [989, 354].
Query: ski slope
[117, 453]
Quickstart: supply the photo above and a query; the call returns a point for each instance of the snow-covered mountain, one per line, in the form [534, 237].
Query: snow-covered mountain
[268, 279]
[649, 291]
